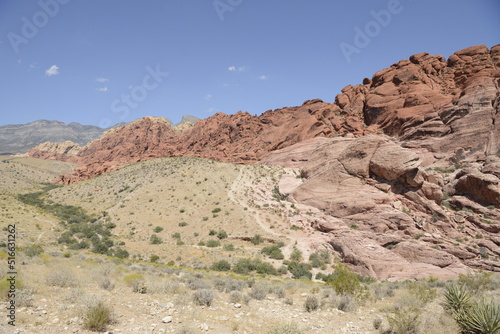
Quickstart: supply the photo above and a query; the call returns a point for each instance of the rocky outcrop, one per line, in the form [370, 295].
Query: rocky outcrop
[56, 151]
[400, 226]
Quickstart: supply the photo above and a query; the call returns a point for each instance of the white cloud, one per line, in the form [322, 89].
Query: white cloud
[208, 97]
[239, 68]
[53, 70]
[212, 110]
[263, 77]
[102, 89]
[33, 65]
[103, 80]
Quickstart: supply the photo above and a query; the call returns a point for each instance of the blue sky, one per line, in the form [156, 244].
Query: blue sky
[104, 62]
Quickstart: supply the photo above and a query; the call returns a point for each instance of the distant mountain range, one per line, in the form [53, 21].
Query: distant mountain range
[19, 138]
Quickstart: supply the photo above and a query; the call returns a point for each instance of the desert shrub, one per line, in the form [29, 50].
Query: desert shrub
[377, 323]
[300, 270]
[120, 253]
[265, 268]
[344, 280]
[278, 291]
[153, 258]
[288, 301]
[213, 243]
[158, 229]
[155, 240]
[33, 250]
[61, 277]
[133, 280]
[347, 303]
[235, 297]
[258, 292]
[198, 284]
[221, 265]
[477, 282]
[222, 234]
[296, 255]
[404, 321]
[422, 291]
[231, 284]
[176, 235]
[105, 284]
[274, 252]
[229, 247]
[97, 317]
[204, 297]
[256, 239]
[311, 304]
[290, 328]
[24, 297]
[183, 224]
[381, 291]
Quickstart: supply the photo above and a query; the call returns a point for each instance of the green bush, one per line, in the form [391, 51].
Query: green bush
[344, 280]
[120, 253]
[222, 235]
[158, 229]
[229, 247]
[477, 281]
[256, 239]
[213, 243]
[300, 270]
[274, 252]
[296, 255]
[221, 265]
[155, 240]
[153, 258]
[97, 317]
[33, 250]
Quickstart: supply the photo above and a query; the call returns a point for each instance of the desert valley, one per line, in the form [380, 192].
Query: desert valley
[378, 212]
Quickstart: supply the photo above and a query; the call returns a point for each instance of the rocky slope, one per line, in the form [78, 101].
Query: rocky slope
[19, 138]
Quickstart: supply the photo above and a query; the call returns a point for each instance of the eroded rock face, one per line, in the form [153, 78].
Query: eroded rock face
[398, 230]
[57, 151]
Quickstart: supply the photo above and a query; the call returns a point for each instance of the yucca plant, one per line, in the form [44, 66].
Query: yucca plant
[474, 317]
[457, 298]
[483, 318]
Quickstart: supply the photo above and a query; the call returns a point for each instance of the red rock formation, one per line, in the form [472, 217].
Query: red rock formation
[435, 105]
